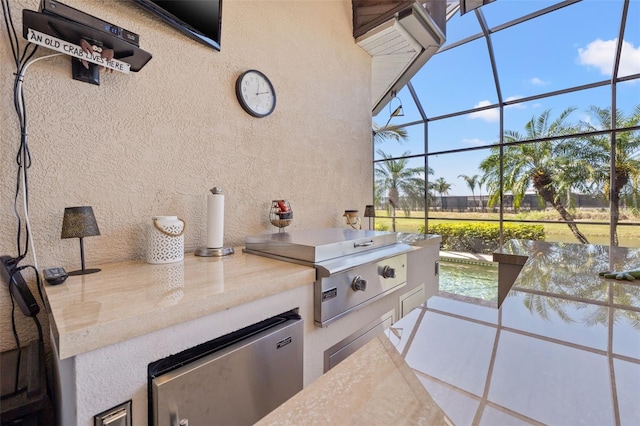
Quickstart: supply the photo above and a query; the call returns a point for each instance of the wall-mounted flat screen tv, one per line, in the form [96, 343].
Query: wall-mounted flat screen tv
[199, 19]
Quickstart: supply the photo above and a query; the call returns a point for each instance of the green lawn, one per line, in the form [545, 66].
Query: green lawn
[628, 236]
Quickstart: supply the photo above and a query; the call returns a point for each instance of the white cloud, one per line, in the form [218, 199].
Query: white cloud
[538, 82]
[600, 54]
[493, 115]
[489, 115]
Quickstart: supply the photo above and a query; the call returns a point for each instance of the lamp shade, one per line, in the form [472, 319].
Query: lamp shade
[79, 222]
[369, 211]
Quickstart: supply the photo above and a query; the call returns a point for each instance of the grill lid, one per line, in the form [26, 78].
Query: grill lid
[319, 245]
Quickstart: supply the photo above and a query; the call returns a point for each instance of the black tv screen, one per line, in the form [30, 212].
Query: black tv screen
[199, 19]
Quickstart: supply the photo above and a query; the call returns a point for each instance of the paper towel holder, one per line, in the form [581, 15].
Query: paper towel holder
[214, 252]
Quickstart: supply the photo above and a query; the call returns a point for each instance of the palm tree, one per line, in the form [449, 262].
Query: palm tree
[380, 134]
[442, 187]
[481, 182]
[395, 177]
[471, 181]
[596, 149]
[543, 165]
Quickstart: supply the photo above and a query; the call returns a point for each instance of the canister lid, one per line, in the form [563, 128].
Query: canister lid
[216, 190]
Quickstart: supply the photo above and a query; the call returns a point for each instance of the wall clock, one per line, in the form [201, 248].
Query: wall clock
[255, 93]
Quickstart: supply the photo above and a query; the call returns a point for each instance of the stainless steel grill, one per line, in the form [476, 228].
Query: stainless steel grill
[353, 267]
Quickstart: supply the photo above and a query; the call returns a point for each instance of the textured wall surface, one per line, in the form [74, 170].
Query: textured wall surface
[153, 142]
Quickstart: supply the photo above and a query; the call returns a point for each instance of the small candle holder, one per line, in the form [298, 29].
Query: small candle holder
[280, 214]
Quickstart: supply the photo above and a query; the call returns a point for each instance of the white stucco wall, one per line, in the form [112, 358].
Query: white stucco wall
[154, 142]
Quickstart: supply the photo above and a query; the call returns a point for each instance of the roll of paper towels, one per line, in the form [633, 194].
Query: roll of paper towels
[215, 220]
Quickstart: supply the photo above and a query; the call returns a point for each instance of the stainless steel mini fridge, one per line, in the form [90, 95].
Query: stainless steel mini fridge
[233, 380]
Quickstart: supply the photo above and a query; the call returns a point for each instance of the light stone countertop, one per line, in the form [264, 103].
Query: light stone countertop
[112, 323]
[133, 298]
[373, 386]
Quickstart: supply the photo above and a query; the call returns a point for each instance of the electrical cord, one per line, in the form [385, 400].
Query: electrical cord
[36, 322]
[26, 157]
[11, 32]
[39, 326]
[23, 160]
[33, 315]
[39, 287]
[13, 321]
[23, 156]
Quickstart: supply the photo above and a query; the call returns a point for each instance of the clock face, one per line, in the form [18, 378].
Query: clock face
[255, 93]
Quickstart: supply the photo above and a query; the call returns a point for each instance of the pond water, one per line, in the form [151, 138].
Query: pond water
[471, 279]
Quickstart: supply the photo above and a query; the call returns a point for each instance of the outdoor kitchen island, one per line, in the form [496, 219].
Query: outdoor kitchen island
[107, 327]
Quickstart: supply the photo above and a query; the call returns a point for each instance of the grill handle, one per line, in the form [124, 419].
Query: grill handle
[365, 244]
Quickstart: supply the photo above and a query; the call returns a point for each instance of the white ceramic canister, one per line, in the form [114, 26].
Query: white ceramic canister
[165, 243]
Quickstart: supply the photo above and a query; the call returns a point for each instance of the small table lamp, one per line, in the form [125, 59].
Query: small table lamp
[369, 211]
[79, 222]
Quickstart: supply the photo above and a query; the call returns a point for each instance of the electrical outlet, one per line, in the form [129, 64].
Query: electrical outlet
[18, 287]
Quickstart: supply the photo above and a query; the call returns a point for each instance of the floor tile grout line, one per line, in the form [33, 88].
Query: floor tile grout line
[536, 336]
[476, 398]
[612, 374]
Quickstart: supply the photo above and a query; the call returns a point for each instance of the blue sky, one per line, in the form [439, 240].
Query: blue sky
[566, 48]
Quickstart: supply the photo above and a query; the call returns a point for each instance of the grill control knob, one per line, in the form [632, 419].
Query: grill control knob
[359, 283]
[388, 272]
